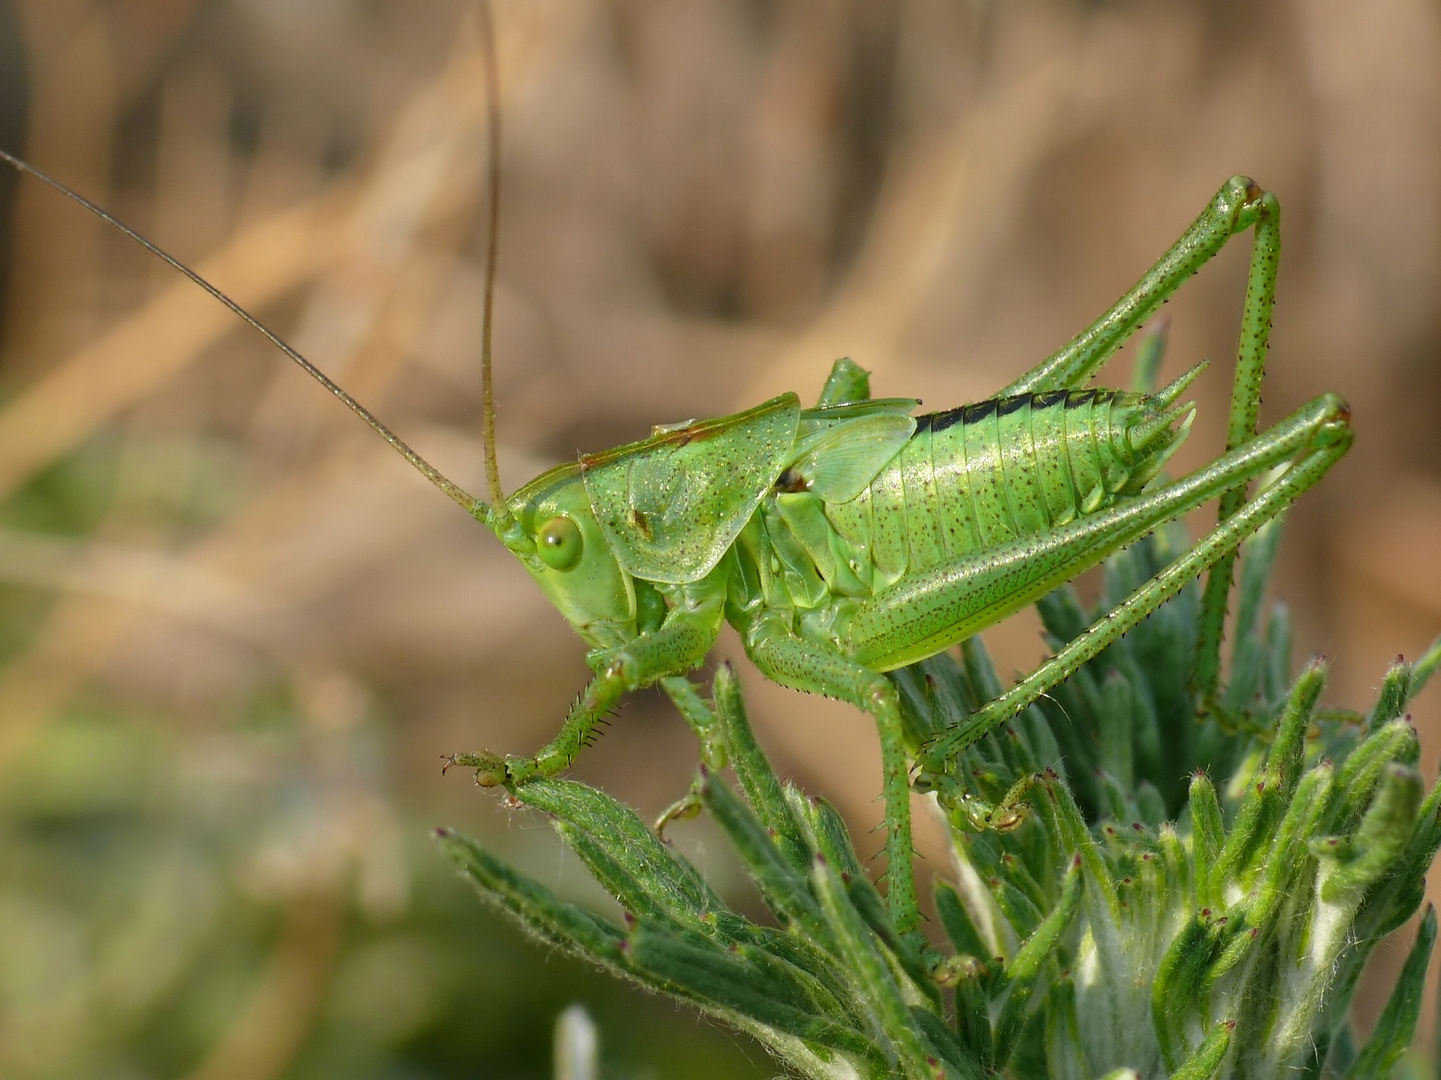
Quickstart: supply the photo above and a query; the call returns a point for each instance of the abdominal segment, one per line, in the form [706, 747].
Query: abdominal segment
[977, 477]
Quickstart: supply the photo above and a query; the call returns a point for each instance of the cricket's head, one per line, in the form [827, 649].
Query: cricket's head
[551, 528]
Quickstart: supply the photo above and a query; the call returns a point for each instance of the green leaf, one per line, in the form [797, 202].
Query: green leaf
[1208, 838]
[1362, 771]
[784, 892]
[944, 1045]
[634, 893]
[1397, 1024]
[758, 780]
[957, 922]
[873, 976]
[1177, 992]
[712, 975]
[1117, 744]
[1202, 1065]
[531, 904]
[1023, 971]
[1356, 864]
[1288, 749]
[1395, 693]
[1425, 667]
[1286, 863]
[1261, 804]
[668, 881]
[1249, 658]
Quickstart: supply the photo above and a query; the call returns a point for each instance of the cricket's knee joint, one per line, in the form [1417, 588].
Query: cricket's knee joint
[1242, 189]
[881, 695]
[1335, 425]
[618, 665]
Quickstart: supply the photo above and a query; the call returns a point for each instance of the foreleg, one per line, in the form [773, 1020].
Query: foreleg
[819, 668]
[679, 644]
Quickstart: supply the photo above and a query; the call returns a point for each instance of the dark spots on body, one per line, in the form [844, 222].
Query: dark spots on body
[638, 519]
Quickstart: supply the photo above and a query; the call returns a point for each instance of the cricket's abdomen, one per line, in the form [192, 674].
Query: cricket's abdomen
[983, 475]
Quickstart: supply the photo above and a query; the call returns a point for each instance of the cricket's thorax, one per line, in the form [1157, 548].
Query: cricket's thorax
[968, 480]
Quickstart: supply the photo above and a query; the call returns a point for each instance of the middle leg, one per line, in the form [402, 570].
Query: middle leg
[680, 644]
[1239, 204]
[818, 668]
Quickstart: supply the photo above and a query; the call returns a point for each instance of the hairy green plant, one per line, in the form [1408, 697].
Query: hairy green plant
[1134, 892]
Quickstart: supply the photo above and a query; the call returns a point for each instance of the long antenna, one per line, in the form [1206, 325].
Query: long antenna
[473, 506]
[492, 255]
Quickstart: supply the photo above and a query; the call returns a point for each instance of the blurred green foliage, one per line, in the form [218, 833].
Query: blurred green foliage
[246, 900]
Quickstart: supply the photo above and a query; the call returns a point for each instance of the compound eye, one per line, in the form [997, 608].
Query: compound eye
[558, 543]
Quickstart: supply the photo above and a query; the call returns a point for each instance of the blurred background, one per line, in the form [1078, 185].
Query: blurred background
[237, 634]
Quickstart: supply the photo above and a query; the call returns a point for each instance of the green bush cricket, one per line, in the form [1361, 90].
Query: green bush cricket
[849, 539]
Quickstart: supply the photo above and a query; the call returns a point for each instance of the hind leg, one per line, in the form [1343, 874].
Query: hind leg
[1239, 205]
[1330, 439]
[1236, 207]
